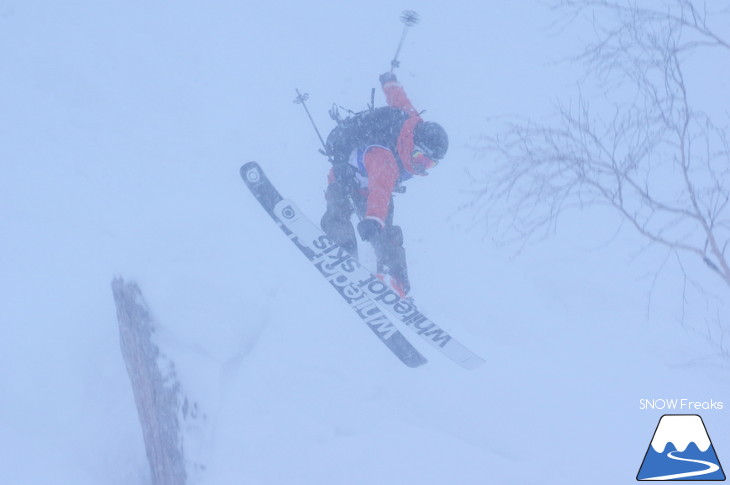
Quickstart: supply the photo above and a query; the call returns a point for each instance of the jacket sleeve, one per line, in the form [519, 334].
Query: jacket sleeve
[383, 174]
[396, 96]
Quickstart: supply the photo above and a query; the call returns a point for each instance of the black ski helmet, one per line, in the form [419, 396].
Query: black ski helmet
[432, 138]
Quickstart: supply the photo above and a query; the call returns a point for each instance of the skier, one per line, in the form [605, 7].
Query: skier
[372, 154]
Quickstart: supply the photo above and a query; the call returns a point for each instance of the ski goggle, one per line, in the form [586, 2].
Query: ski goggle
[421, 160]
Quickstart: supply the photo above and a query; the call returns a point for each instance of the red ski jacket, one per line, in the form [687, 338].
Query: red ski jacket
[380, 163]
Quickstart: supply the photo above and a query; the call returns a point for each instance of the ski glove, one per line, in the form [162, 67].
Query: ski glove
[387, 77]
[369, 229]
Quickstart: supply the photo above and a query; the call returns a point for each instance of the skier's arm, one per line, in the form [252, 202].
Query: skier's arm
[395, 95]
[382, 175]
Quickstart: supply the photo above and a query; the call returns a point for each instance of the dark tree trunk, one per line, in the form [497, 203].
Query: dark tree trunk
[156, 390]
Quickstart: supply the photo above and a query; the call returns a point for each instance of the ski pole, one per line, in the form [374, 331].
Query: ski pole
[301, 99]
[409, 19]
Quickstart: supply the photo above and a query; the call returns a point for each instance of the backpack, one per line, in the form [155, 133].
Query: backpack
[378, 126]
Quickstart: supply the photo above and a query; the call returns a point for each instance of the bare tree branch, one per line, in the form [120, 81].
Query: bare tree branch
[646, 151]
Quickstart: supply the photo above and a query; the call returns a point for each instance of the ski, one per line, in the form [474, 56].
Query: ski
[333, 261]
[360, 278]
[358, 299]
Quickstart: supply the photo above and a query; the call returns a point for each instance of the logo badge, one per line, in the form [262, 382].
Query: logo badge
[253, 175]
[288, 212]
[681, 450]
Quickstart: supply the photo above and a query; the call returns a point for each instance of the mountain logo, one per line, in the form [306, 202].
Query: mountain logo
[680, 450]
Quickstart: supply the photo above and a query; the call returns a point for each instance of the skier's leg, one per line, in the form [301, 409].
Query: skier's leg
[336, 220]
[391, 255]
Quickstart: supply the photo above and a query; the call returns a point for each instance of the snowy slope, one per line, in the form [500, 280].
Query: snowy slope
[123, 128]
